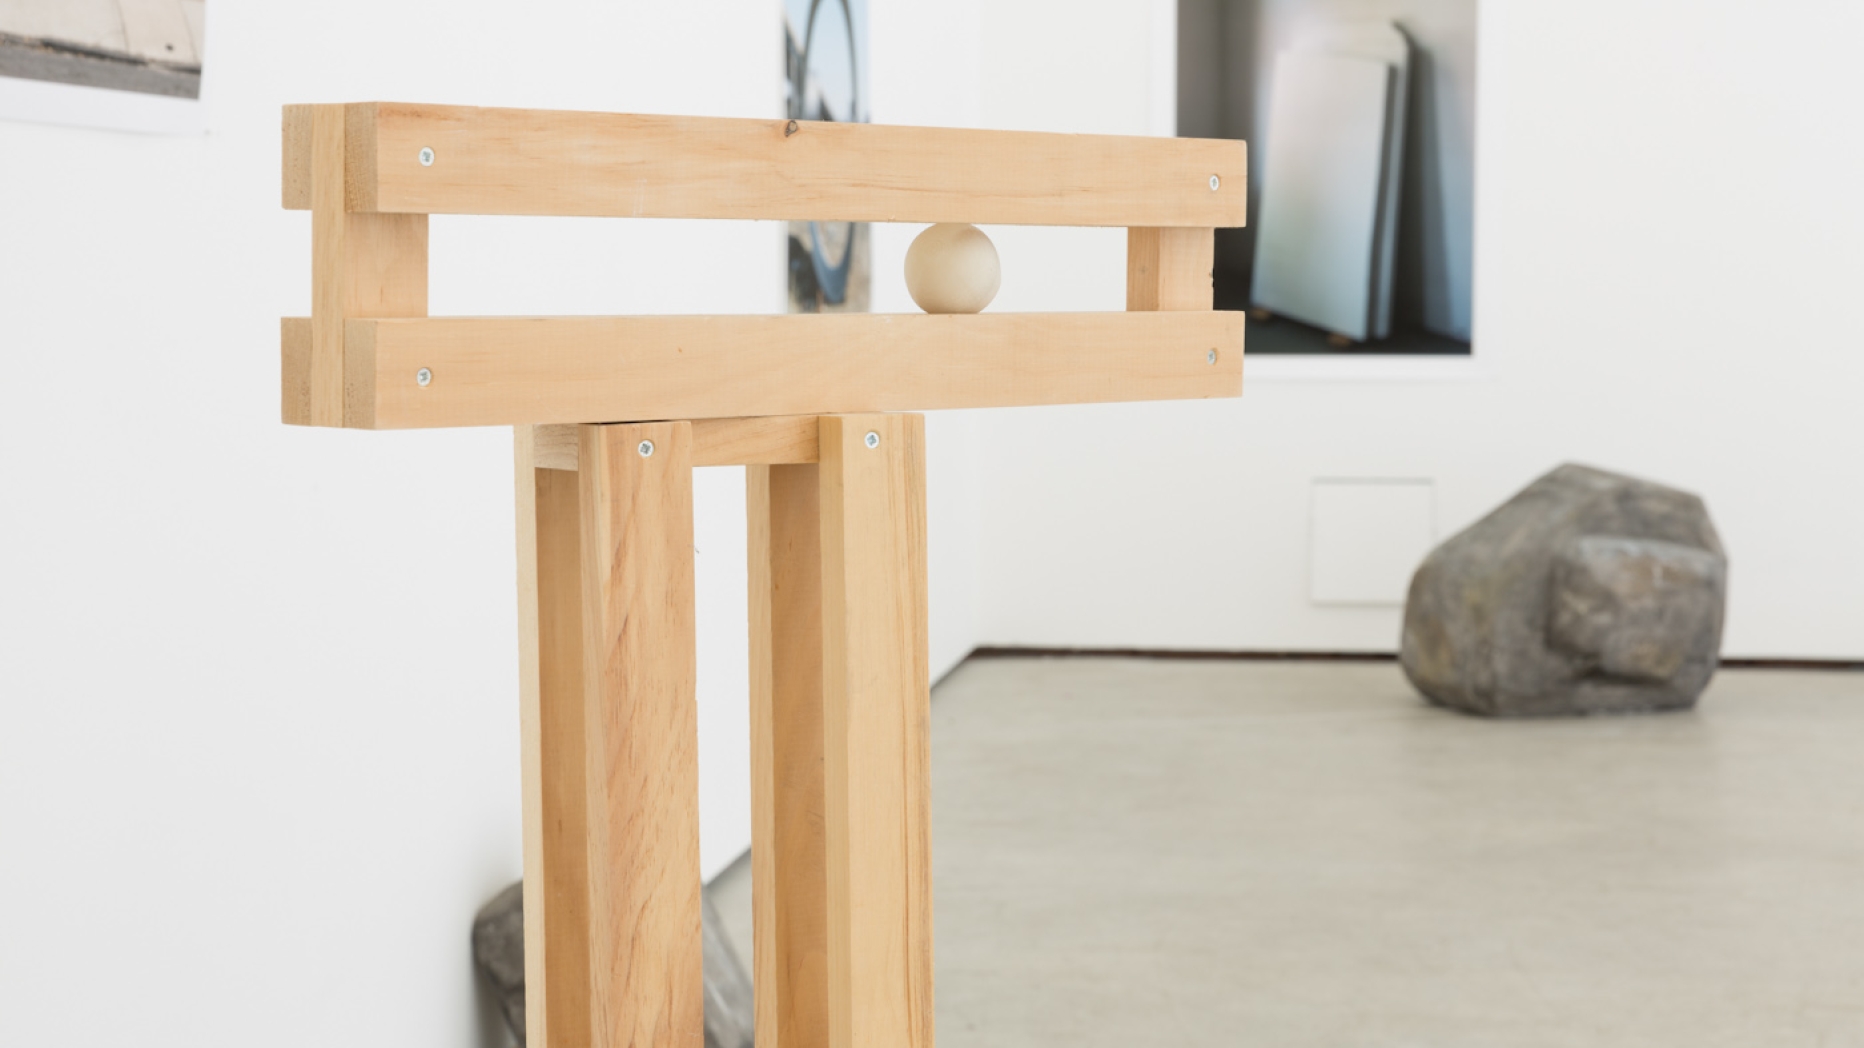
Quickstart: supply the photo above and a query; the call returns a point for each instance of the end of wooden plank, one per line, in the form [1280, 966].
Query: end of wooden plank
[359, 374]
[359, 152]
[297, 158]
[294, 370]
[554, 446]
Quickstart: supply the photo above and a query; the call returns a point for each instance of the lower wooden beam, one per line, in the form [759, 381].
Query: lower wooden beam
[508, 371]
[775, 440]
[875, 716]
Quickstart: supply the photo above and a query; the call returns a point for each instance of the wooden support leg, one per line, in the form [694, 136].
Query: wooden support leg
[875, 713]
[611, 740]
[556, 873]
[789, 893]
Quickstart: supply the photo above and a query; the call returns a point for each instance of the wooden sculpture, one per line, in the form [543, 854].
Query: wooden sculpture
[611, 415]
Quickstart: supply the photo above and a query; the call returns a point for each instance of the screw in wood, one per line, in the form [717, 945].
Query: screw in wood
[645, 447]
[427, 159]
[1214, 183]
[873, 439]
[423, 377]
[1211, 357]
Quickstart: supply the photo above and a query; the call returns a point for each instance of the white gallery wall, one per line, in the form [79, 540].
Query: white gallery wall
[258, 713]
[1666, 268]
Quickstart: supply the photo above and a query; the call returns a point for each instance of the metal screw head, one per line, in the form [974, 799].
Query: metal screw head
[423, 377]
[427, 159]
[1211, 357]
[645, 447]
[872, 439]
[1214, 183]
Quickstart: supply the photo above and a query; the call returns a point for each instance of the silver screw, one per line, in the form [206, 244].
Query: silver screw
[423, 377]
[873, 439]
[645, 447]
[1214, 183]
[1211, 357]
[427, 159]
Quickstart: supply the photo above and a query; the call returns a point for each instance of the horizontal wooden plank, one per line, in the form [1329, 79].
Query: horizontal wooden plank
[532, 370]
[776, 440]
[540, 162]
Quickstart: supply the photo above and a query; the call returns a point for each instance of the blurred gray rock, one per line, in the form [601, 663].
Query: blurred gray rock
[1588, 592]
[498, 952]
[729, 1017]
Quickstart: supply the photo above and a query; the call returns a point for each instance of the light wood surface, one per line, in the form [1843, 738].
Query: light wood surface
[542, 162]
[554, 447]
[876, 704]
[788, 854]
[556, 879]
[294, 370]
[508, 371]
[773, 440]
[1170, 269]
[362, 265]
[647, 983]
[296, 183]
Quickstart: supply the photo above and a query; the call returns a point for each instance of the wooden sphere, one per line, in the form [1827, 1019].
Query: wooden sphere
[952, 268]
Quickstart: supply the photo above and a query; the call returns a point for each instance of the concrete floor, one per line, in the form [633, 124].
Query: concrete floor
[1132, 852]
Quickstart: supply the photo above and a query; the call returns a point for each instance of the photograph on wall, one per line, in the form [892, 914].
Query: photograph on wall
[150, 47]
[1360, 119]
[825, 59]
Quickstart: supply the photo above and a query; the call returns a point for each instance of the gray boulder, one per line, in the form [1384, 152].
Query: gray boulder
[498, 953]
[1588, 592]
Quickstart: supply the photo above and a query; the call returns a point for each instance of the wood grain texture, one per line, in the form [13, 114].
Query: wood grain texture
[789, 896]
[362, 265]
[1170, 269]
[555, 447]
[775, 440]
[876, 704]
[647, 982]
[296, 136]
[556, 871]
[509, 371]
[294, 370]
[541, 162]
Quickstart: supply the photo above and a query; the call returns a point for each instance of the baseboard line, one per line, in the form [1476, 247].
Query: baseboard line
[993, 651]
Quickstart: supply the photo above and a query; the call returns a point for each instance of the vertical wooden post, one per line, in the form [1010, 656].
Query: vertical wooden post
[556, 873]
[875, 713]
[646, 974]
[1170, 269]
[362, 264]
[789, 892]
[611, 881]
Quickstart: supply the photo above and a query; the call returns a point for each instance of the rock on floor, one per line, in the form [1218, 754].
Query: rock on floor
[1588, 592]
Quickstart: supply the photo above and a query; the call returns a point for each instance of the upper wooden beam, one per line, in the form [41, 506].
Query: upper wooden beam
[541, 162]
[496, 371]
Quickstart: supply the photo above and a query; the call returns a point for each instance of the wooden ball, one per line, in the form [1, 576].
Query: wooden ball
[952, 268]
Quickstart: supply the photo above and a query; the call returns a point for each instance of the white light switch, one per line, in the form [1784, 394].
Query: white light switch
[1367, 538]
